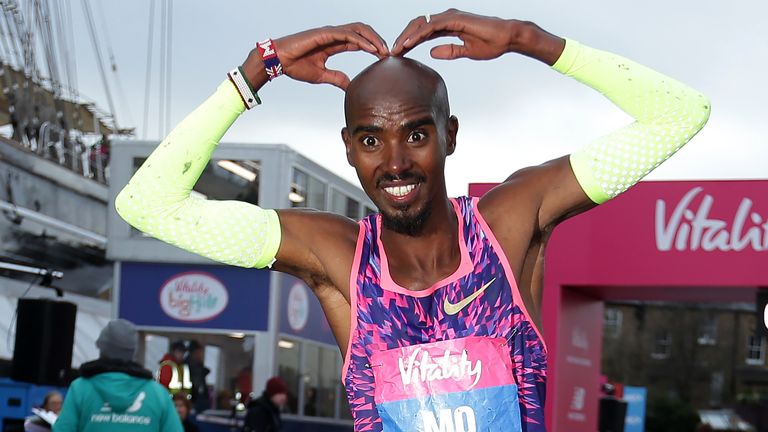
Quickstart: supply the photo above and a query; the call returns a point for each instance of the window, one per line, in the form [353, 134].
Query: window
[344, 205]
[755, 350]
[228, 357]
[212, 360]
[321, 373]
[288, 369]
[155, 347]
[306, 191]
[662, 345]
[716, 383]
[612, 322]
[708, 331]
[313, 374]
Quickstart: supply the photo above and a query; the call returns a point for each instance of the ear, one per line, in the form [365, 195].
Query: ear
[347, 145]
[453, 129]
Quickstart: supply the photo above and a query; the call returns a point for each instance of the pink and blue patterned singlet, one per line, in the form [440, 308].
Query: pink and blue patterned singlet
[461, 356]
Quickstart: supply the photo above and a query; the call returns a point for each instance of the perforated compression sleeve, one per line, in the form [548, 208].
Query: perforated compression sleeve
[157, 199]
[667, 115]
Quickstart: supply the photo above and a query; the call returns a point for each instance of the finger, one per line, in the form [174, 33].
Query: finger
[438, 26]
[372, 36]
[414, 24]
[448, 52]
[337, 35]
[334, 77]
[340, 48]
[429, 37]
[439, 34]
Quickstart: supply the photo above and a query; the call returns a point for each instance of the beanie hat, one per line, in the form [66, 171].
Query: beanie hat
[276, 385]
[118, 340]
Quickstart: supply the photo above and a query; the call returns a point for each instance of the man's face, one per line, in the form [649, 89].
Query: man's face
[198, 354]
[279, 399]
[54, 403]
[181, 409]
[178, 355]
[397, 138]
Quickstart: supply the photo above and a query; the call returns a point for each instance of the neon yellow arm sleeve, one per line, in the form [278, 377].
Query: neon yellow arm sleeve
[157, 199]
[667, 115]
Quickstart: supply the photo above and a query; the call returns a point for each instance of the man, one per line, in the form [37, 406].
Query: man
[263, 413]
[114, 392]
[174, 372]
[197, 373]
[184, 408]
[434, 302]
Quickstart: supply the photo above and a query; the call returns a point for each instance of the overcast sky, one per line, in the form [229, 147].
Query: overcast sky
[513, 111]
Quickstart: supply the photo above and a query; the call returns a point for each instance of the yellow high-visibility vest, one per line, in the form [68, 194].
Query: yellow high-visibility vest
[180, 378]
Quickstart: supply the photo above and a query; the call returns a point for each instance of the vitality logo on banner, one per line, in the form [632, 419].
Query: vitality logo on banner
[458, 385]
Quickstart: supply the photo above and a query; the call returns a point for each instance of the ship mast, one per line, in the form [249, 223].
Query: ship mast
[41, 105]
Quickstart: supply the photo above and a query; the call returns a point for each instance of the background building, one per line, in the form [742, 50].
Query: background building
[706, 355]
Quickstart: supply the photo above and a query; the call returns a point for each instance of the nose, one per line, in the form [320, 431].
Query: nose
[398, 159]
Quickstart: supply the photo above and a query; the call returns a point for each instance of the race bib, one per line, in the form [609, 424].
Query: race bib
[459, 385]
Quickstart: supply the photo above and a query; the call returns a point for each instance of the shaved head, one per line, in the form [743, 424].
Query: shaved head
[397, 79]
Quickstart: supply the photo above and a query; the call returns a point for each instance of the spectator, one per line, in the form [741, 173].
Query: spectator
[310, 405]
[197, 373]
[41, 420]
[174, 373]
[183, 407]
[114, 392]
[52, 402]
[244, 384]
[264, 413]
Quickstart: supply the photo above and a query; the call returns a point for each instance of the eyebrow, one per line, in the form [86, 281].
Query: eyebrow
[424, 121]
[367, 128]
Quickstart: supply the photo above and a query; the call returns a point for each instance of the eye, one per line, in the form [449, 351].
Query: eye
[416, 136]
[369, 141]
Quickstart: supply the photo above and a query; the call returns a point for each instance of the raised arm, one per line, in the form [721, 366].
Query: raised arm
[667, 113]
[157, 199]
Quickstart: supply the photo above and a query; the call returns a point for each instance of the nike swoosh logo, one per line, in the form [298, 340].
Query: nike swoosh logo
[454, 308]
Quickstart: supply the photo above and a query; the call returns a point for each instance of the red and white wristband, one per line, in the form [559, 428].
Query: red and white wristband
[247, 94]
[269, 57]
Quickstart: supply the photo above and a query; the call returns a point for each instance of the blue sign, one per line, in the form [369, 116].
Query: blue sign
[636, 398]
[194, 296]
[300, 312]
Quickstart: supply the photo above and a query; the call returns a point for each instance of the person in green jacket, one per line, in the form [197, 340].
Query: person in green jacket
[116, 393]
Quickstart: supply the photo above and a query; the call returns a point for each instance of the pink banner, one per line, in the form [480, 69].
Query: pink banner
[673, 233]
[578, 363]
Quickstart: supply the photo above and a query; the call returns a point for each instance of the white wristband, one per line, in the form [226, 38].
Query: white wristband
[249, 97]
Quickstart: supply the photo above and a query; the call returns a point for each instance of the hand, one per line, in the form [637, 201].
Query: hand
[303, 55]
[484, 38]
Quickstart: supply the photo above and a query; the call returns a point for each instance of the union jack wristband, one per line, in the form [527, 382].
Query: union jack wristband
[249, 97]
[269, 57]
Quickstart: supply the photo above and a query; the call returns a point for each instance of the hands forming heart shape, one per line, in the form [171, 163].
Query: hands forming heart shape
[304, 55]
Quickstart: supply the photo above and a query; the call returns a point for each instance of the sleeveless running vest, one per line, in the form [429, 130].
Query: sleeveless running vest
[462, 355]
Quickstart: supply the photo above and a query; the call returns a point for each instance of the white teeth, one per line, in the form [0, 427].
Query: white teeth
[399, 191]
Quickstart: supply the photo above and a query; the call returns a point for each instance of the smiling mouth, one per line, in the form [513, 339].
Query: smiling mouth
[400, 191]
